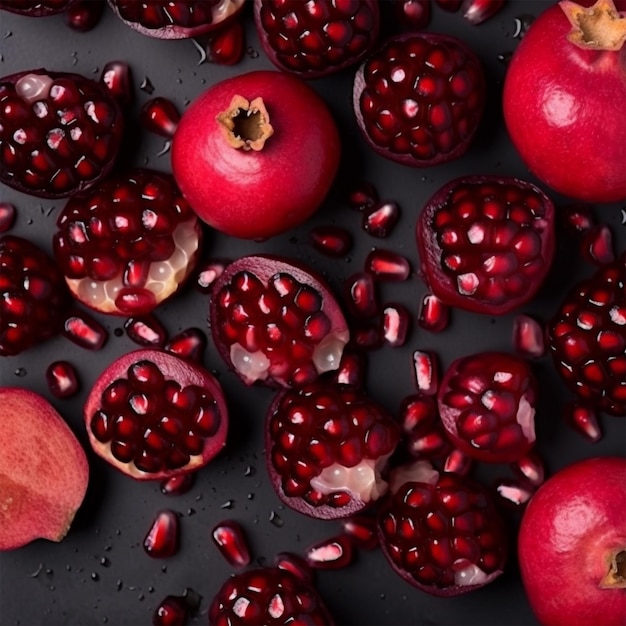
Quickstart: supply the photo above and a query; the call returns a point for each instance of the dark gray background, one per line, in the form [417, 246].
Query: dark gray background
[73, 585]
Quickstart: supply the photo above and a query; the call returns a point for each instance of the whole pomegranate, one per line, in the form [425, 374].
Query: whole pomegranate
[572, 545]
[256, 154]
[564, 100]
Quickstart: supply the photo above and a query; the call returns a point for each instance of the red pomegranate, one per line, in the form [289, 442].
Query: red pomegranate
[572, 545]
[565, 97]
[256, 154]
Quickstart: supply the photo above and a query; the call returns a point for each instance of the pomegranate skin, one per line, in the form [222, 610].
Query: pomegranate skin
[578, 514]
[564, 111]
[260, 192]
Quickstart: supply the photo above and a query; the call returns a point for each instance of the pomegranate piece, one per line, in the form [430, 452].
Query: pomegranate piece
[367, 336]
[276, 322]
[40, 505]
[528, 337]
[332, 241]
[351, 370]
[578, 217]
[396, 324]
[487, 406]
[163, 538]
[189, 344]
[295, 565]
[441, 533]
[226, 45]
[83, 15]
[458, 463]
[60, 133]
[362, 295]
[486, 243]
[419, 418]
[387, 265]
[129, 244]
[419, 98]
[333, 553]
[479, 11]
[426, 367]
[328, 447]
[412, 15]
[84, 330]
[515, 491]
[232, 543]
[362, 195]
[33, 296]
[268, 595]
[209, 272]
[62, 379]
[8, 213]
[172, 611]
[596, 245]
[178, 484]
[116, 77]
[146, 331]
[380, 219]
[160, 116]
[362, 531]
[318, 39]
[584, 420]
[36, 8]
[433, 315]
[587, 340]
[176, 19]
[531, 469]
[153, 415]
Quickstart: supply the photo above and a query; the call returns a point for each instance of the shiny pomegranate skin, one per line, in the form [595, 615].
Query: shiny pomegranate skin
[256, 179]
[564, 110]
[572, 545]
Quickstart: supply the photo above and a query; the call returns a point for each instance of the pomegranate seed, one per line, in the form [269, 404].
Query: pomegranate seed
[189, 344]
[531, 468]
[426, 369]
[412, 15]
[478, 11]
[116, 76]
[396, 324]
[163, 537]
[332, 241]
[209, 273]
[362, 297]
[417, 412]
[171, 612]
[449, 5]
[528, 336]
[146, 331]
[179, 484]
[366, 336]
[62, 379]
[84, 15]
[7, 216]
[578, 217]
[434, 315]
[294, 564]
[457, 463]
[226, 46]
[160, 116]
[583, 419]
[514, 491]
[231, 541]
[596, 245]
[331, 553]
[362, 196]
[362, 530]
[85, 331]
[387, 265]
[351, 369]
[380, 219]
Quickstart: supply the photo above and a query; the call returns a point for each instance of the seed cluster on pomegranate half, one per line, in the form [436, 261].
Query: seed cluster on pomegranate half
[59, 132]
[36, 8]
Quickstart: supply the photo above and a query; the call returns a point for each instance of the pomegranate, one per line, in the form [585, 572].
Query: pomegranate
[564, 100]
[576, 573]
[153, 415]
[36, 8]
[43, 470]
[255, 155]
[275, 322]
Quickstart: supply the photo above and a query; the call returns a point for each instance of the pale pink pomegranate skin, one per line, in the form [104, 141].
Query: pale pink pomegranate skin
[564, 111]
[569, 529]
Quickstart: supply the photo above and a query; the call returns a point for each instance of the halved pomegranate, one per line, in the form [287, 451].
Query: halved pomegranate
[276, 322]
[36, 8]
[327, 449]
[153, 415]
[128, 244]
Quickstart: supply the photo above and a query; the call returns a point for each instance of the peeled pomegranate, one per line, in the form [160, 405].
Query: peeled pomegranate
[43, 470]
[565, 97]
[572, 545]
[256, 154]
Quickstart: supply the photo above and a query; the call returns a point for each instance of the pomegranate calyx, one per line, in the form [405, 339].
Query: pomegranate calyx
[615, 578]
[246, 123]
[598, 27]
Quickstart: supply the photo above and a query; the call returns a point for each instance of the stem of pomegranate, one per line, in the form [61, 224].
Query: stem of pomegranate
[616, 576]
[246, 124]
[598, 27]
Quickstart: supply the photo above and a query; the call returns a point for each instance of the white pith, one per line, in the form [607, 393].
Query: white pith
[164, 277]
[415, 472]
[33, 87]
[468, 573]
[525, 417]
[225, 8]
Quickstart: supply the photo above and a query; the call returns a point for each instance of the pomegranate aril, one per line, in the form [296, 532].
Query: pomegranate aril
[362, 196]
[333, 553]
[387, 265]
[160, 116]
[514, 491]
[362, 295]
[362, 531]
[190, 344]
[295, 565]
[380, 219]
[396, 324]
[457, 463]
[478, 11]
[433, 314]
[178, 484]
[226, 46]
[351, 370]
[426, 369]
[7, 216]
[84, 15]
[578, 217]
[528, 336]
[333, 241]
[146, 331]
[366, 336]
[162, 540]
[62, 379]
[172, 611]
[117, 77]
[531, 468]
[412, 15]
[85, 331]
[232, 543]
[584, 420]
[209, 272]
[596, 245]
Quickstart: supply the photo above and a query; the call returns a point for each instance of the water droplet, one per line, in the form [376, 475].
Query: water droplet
[37, 571]
[191, 511]
[250, 471]
[118, 332]
[521, 24]
[250, 496]
[20, 372]
[95, 577]
[147, 86]
[227, 505]
[505, 57]
[105, 562]
[276, 519]
[119, 584]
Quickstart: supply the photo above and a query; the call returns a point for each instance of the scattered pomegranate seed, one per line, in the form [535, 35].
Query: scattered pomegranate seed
[116, 76]
[457, 463]
[172, 611]
[82, 329]
[189, 344]
[578, 217]
[396, 324]
[412, 15]
[231, 541]
[62, 379]
[7, 216]
[380, 219]
[362, 530]
[366, 336]
[331, 553]
[362, 196]
[160, 116]
[514, 491]
[295, 565]
[331, 240]
[479, 11]
[417, 411]
[361, 295]
[226, 46]
[209, 272]
[146, 331]
[449, 5]
[583, 419]
[596, 245]
[387, 265]
[179, 484]
[433, 315]
[528, 336]
[162, 540]
[531, 468]
[84, 15]
[351, 369]
[426, 369]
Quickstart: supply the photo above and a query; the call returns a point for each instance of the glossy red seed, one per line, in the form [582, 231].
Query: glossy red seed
[209, 272]
[172, 611]
[178, 484]
[417, 412]
[514, 491]
[332, 241]
[117, 77]
[433, 315]
[62, 379]
[396, 324]
[295, 565]
[333, 553]
[528, 336]
[578, 217]
[160, 116]
[596, 245]
[387, 265]
[381, 218]
[226, 46]
[412, 15]
[351, 370]
[85, 331]
[162, 540]
[146, 331]
[584, 420]
[426, 369]
[478, 11]
[457, 463]
[362, 295]
[83, 15]
[362, 196]
[366, 336]
[232, 543]
[531, 468]
[189, 344]
[7, 216]
[362, 530]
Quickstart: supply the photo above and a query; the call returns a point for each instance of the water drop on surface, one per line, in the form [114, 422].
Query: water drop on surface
[20, 372]
[146, 86]
[276, 519]
[95, 577]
